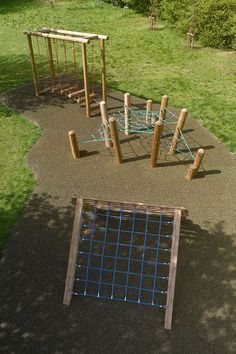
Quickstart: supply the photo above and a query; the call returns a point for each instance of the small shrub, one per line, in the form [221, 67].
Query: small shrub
[217, 23]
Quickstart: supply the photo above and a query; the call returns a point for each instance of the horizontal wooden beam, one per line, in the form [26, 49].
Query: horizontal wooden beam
[78, 34]
[57, 36]
[140, 207]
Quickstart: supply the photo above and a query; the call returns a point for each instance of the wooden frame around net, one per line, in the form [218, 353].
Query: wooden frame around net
[174, 214]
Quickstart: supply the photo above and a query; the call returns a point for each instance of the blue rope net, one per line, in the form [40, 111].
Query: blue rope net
[141, 122]
[124, 256]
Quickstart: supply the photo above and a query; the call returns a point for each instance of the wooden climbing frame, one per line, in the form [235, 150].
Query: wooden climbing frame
[125, 252]
[56, 52]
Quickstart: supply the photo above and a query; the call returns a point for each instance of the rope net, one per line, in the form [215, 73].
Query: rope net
[124, 256]
[143, 122]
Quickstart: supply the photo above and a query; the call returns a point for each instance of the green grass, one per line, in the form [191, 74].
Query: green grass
[144, 63]
[17, 136]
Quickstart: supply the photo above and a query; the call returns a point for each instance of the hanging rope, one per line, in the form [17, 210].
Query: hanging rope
[66, 64]
[76, 69]
[92, 68]
[55, 45]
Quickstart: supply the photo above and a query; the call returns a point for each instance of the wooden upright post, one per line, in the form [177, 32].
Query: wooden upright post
[163, 107]
[148, 110]
[86, 83]
[73, 253]
[103, 63]
[193, 169]
[178, 130]
[74, 145]
[33, 65]
[172, 269]
[156, 143]
[115, 139]
[50, 58]
[105, 124]
[127, 100]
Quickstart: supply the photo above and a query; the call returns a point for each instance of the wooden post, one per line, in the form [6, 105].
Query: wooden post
[126, 9]
[190, 37]
[50, 58]
[152, 22]
[86, 83]
[105, 124]
[163, 107]
[172, 270]
[115, 139]
[33, 65]
[103, 62]
[73, 253]
[156, 143]
[179, 128]
[193, 169]
[74, 145]
[148, 110]
[127, 100]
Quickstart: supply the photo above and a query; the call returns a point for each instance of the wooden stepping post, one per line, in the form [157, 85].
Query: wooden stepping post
[105, 124]
[127, 100]
[156, 143]
[115, 139]
[193, 169]
[178, 130]
[148, 110]
[163, 107]
[74, 145]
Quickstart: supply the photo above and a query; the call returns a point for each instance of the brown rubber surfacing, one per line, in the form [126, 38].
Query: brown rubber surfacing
[33, 267]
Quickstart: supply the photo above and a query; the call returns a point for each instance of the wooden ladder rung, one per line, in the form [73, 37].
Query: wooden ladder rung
[59, 87]
[68, 89]
[76, 93]
[45, 90]
[83, 99]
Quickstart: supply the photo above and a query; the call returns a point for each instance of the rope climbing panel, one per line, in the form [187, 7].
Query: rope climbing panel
[124, 252]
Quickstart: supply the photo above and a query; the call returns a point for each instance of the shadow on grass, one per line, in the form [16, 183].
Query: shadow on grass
[7, 6]
[33, 270]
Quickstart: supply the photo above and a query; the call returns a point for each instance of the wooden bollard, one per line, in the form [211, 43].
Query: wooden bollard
[148, 110]
[156, 143]
[152, 20]
[115, 139]
[74, 145]
[163, 107]
[178, 129]
[127, 100]
[105, 124]
[193, 169]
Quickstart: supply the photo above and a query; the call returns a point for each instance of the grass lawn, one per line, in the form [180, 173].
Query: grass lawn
[142, 62]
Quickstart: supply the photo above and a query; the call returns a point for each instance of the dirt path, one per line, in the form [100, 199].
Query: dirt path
[33, 268]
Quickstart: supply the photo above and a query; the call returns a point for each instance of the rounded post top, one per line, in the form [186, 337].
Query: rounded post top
[71, 132]
[159, 122]
[112, 119]
[127, 94]
[201, 151]
[184, 110]
[103, 104]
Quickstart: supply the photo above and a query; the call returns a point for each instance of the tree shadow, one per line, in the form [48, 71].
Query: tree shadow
[33, 271]
[18, 6]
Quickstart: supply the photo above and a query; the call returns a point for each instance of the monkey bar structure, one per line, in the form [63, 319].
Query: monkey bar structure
[56, 53]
